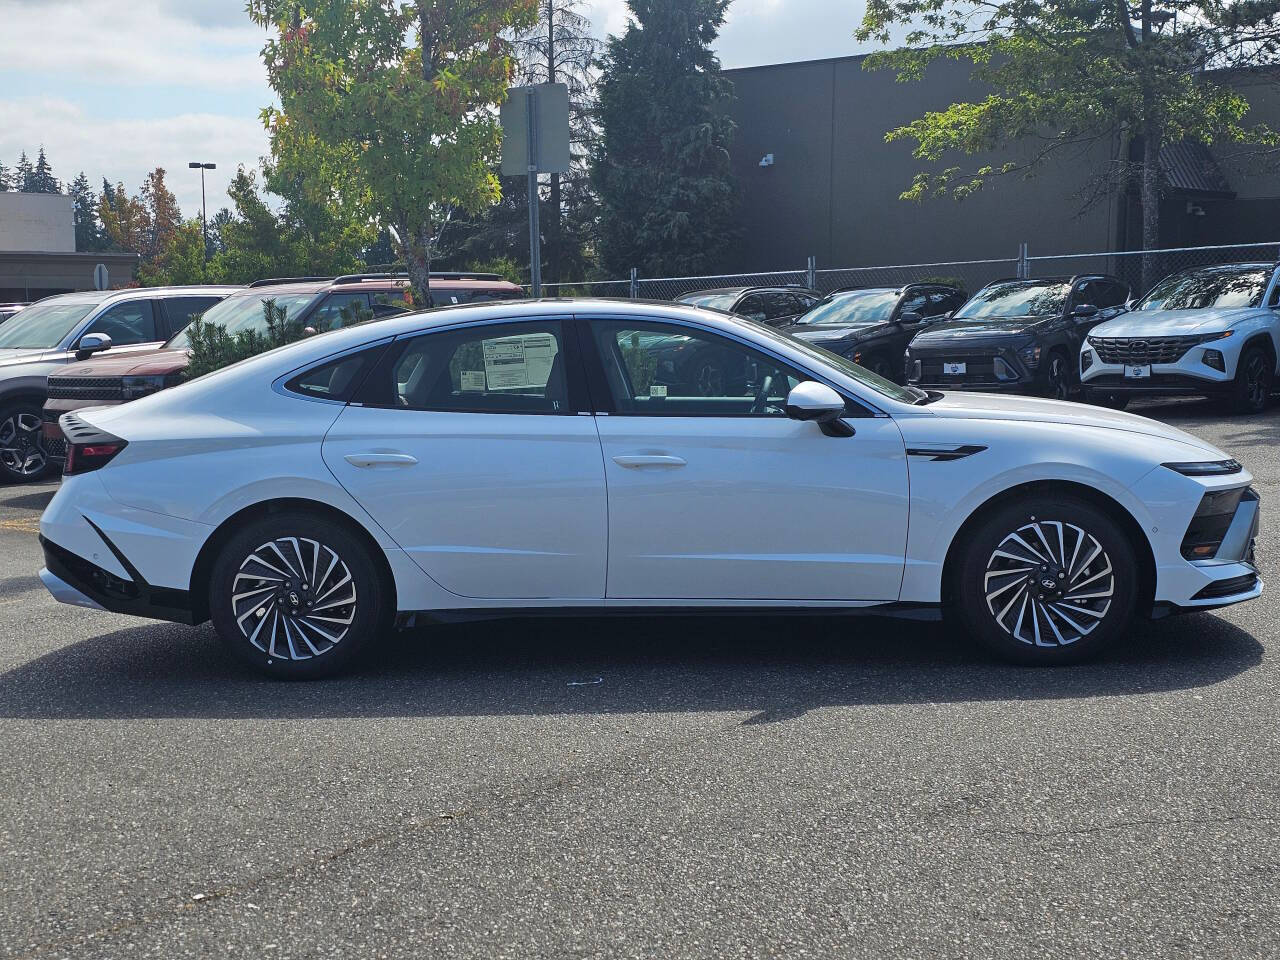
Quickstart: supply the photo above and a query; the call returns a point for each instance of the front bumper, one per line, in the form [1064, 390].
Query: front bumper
[987, 370]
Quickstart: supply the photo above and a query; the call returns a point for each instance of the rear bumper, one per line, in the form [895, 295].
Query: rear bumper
[72, 579]
[55, 441]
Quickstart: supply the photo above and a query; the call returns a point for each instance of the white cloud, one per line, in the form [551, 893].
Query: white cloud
[127, 149]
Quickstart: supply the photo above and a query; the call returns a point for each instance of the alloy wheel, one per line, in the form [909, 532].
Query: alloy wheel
[1058, 377]
[1049, 583]
[22, 450]
[294, 598]
[1256, 380]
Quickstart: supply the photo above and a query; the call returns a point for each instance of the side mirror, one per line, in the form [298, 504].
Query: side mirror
[92, 343]
[817, 403]
[911, 316]
[1084, 311]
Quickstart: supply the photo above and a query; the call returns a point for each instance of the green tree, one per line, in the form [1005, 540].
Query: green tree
[4, 178]
[213, 348]
[661, 166]
[124, 219]
[84, 205]
[179, 259]
[1064, 74]
[394, 100]
[24, 175]
[42, 178]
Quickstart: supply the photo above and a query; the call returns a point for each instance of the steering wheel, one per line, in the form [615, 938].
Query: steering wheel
[761, 404]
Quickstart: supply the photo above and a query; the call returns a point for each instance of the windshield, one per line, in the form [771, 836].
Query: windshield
[850, 369]
[1016, 298]
[716, 301]
[43, 326]
[1202, 289]
[244, 313]
[849, 309]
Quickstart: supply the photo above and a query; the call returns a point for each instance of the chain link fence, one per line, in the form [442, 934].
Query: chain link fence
[971, 275]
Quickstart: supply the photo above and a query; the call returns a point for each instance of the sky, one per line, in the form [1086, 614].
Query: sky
[118, 87]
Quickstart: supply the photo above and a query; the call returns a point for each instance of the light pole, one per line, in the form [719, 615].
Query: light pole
[204, 207]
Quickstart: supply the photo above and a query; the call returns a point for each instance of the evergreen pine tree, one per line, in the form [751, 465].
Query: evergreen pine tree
[42, 178]
[24, 175]
[661, 166]
[4, 178]
[85, 207]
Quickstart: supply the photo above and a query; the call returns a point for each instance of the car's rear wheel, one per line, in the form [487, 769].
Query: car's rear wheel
[1046, 581]
[1057, 377]
[297, 596]
[24, 458]
[1255, 375]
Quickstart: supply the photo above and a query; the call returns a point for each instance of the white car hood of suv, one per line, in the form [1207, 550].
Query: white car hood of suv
[1174, 323]
[995, 406]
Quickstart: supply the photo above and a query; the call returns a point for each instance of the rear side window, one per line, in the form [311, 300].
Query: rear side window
[492, 368]
[338, 379]
[180, 311]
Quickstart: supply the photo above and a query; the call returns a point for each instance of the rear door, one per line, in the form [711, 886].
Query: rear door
[466, 446]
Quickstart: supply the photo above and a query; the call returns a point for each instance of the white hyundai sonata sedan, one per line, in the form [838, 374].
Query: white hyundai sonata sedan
[605, 457]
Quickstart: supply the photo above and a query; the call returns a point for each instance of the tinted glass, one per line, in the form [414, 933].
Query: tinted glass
[853, 308]
[495, 368]
[335, 380]
[777, 305]
[249, 313]
[915, 303]
[656, 369]
[441, 297]
[1016, 298]
[1111, 294]
[44, 325]
[133, 321]
[1213, 287]
[182, 310]
[716, 301]
[340, 310]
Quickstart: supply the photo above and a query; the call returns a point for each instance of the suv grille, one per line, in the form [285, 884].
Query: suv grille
[85, 388]
[979, 368]
[1142, 350]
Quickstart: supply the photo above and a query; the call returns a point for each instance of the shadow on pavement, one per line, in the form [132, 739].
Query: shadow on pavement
[776, 668]
[31, 501]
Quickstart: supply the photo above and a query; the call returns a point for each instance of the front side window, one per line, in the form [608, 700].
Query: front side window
[493, 368]
[657, 369]
[44, 325]
[126, 323]
[1017, 298]
[1233, 286]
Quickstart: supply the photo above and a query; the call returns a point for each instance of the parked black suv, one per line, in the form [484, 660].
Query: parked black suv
[775, 306]
[1018, 336]
[873, 325]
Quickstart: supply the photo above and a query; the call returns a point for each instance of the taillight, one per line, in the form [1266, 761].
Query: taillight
[88, 448]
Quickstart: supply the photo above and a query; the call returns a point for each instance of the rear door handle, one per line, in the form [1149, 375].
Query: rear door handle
[649, 460]
[381, 459]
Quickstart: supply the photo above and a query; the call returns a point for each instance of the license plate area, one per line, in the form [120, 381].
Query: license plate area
[952, 368]
[1141, 371]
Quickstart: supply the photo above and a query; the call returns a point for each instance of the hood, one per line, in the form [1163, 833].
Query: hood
[9, 358]
[134, 364]
[973, 331]
[1169, 323]
[824, 333]
[996, 406]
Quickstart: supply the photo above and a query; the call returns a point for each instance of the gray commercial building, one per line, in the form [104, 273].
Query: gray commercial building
[816, 177]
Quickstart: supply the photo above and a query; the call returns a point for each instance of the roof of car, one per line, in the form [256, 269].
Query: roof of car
[726, 291]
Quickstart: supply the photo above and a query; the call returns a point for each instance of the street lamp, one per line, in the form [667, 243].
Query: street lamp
[204, 207]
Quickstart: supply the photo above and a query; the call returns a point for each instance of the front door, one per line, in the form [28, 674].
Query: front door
[715, 494]
[468, 450]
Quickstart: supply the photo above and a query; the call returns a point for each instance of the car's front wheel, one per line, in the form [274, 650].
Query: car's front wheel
[1057, 377]
[23, 455]
[1046, 581]
[297, 596]
[1255, 374]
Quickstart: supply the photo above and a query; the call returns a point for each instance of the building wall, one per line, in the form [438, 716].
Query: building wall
[36, 222]
[834, 187]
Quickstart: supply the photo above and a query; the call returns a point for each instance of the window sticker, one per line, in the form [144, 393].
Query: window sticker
[511, 363]
[473, 380]
[657, 390]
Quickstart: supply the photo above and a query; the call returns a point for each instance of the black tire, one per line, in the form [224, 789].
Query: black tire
[1114, 401]
[986, 587]
[1057, 376]
[24, 458]
[1255, 376]
[302, 652]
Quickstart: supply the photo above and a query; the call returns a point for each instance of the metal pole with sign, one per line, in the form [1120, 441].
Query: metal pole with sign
[535, 139]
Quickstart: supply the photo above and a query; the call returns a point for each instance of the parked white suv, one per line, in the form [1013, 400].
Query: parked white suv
[548, 455]
[1209, 331]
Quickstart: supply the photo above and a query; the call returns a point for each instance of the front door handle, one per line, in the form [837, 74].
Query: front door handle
[381, 459]
[649, 460]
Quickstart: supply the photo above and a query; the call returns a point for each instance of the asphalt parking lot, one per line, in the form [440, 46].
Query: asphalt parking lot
[667, 788]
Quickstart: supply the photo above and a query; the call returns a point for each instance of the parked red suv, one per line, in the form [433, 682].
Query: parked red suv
[318, 302]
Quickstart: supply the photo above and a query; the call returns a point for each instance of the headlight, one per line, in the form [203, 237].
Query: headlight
[1208, 337]
[131, 388]
[1030, 355]
[1205, 468]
